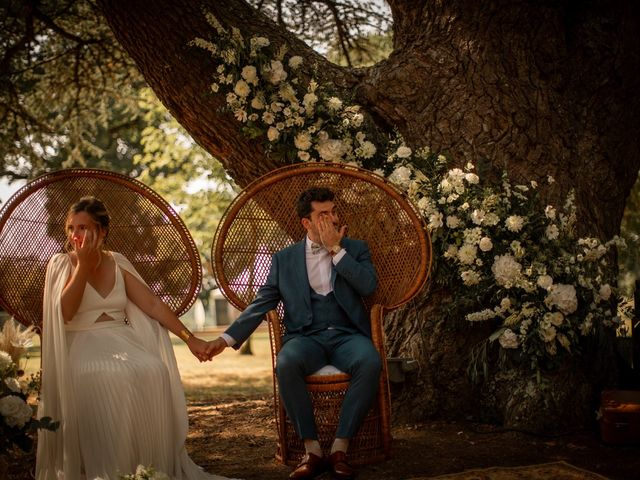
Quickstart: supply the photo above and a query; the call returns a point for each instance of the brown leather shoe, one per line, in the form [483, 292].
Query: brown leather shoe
[309, 467]
[339, 467]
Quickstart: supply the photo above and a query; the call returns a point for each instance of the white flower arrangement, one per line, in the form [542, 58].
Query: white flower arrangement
[17, 421]
[144, 473]
[506, 258]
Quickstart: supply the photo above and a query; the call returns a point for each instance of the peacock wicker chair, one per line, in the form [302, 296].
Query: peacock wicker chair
[262, 221]
[143, 227]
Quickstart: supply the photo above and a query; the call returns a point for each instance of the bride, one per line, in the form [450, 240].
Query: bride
[109, 373]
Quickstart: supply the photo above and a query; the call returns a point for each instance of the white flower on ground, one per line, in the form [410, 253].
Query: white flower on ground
[15, 411]
[506, 270]
[403, 152]
[514, 223]
[302, 141]
[552, 231]
[485, 244]
[508, 339]
[544, 282]
[470, 277]
[563, 297]
[467, 254]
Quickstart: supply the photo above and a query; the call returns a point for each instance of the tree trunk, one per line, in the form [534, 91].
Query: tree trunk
[537, 88]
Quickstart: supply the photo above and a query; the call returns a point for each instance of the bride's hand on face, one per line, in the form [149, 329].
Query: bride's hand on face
[88, 249]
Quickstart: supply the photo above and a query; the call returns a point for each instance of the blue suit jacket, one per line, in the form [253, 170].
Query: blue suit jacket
[352, 278]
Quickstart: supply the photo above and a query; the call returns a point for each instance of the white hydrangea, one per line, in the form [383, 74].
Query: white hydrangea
[472, 235]
[403, 152]
[514, 223]
[506, 270]
[563, 297]
[509, 339]
[15, 411]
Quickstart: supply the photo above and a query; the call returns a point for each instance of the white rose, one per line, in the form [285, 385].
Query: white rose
[563, 297]
[331, 150]
[249, 73]
[273, 134]
[477, 216]
[15, 411]
[302, 141]
[471, 178]
[544, 282]
[274, 73]
[485, 244]
[5, 360]
[508, 339]
[304, 156]
[435, 220]
[401, 176]
[403, 152]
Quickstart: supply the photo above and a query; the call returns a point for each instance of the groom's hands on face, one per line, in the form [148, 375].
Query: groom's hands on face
[216, 347]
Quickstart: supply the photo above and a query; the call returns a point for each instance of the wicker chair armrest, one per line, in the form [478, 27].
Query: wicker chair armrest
[275, 331]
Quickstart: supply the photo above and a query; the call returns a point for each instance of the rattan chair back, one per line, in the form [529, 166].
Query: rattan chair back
[262, 220]
[143, 227]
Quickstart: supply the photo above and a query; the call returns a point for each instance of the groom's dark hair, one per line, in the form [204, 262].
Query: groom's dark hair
[316, 194]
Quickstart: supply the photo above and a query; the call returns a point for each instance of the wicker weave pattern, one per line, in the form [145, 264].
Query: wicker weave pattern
[262, 221]
[144, 228]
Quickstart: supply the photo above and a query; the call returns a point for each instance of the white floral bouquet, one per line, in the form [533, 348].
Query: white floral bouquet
[144, 473]
[505, 258]
[17, 421]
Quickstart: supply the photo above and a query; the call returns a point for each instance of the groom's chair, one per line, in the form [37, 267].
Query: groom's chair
[262, 220]
[143, 227]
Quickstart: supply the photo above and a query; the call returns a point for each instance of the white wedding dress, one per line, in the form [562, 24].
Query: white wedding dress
[114, 385]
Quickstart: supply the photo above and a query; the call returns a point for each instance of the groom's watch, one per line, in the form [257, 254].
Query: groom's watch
[335, 249]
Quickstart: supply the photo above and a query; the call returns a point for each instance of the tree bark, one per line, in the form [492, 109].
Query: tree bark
[538, 88]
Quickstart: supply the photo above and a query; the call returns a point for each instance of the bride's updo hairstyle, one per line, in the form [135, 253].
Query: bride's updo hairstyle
[96, 210]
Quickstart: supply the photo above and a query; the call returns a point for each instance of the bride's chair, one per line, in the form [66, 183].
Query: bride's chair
[262, 220]
[143, 227]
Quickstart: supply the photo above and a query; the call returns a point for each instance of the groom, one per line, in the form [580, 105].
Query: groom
[321, 281]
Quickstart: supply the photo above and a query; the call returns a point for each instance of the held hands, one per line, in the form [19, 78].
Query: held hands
[205, 351]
